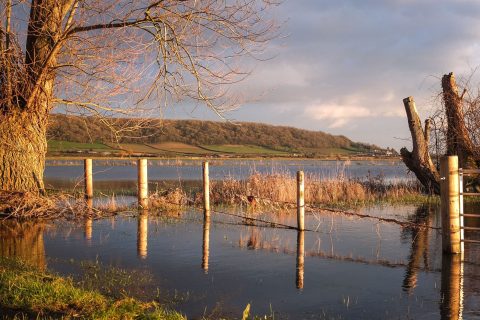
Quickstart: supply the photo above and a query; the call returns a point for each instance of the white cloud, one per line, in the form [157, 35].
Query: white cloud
[337, 115]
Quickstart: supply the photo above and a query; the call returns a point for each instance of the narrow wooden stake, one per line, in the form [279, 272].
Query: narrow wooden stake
[206, 190]
[142, 183]
[450, 204]
[300, 200]
[300, 259]
[88, 177]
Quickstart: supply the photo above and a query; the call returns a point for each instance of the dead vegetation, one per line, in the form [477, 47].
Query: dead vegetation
[275, 191]
[279, 190]
[30, 205]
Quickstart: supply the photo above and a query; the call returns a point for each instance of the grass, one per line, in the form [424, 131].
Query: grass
[63, 146]
[182, 148]
[176, 149]
[134, 148]
[40, 294]
[330, 151]
[243, 149]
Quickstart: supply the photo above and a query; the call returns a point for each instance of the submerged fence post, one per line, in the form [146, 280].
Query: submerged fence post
[88, 177]
[450, 204]
[300, 200]
[206, 190]
[142, 165]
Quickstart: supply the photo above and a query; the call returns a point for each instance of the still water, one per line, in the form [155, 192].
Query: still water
[69, 174]
[349, 268]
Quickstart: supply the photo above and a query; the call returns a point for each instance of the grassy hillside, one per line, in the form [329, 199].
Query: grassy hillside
[72, 134]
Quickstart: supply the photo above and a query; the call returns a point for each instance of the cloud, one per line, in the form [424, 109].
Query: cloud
[348, 63]
[337, 116]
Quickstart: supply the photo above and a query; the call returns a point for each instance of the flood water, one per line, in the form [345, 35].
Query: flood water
[345, 268]
[65, 174]
[349, 268]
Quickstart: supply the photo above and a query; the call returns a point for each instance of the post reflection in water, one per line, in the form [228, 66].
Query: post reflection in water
[142, 235]
[89, 221]
[451, 303]
[88, 229]
[206, 243]
[419, 248]
[300, 258]
[24, 241]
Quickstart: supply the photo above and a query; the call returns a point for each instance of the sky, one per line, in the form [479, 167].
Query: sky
[345, 66]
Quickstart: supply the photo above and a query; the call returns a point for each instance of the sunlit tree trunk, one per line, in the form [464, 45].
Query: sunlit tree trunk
[25, 109]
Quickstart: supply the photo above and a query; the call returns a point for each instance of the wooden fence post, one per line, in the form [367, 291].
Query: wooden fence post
[88, 177]
[142, 165]
[450, 204]
[206, 190]
[300, 200]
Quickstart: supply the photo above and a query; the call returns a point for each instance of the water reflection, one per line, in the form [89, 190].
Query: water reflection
[419, 249]
[451, 303]
[88, 229]
[142, 235]
[206, 243]
[24, 241]
[300, 259]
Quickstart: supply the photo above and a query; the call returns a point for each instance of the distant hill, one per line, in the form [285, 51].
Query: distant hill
[198, 136]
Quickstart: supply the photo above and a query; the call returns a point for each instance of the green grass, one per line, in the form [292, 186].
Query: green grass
[329, 151]
[182, 148]
[243, 149]
[62, 146]
[36, 293]
[134, 148]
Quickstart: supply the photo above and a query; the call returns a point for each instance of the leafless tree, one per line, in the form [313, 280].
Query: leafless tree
[115, 57]
[455, 129]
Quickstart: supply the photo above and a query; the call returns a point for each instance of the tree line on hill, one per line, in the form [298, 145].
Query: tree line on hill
[197, 132]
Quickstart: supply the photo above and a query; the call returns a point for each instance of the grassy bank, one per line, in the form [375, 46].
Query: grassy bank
[26, 292]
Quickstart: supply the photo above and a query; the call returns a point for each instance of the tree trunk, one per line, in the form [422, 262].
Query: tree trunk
[458, 139]
[419, 160]
[23, 120]
[22, 152]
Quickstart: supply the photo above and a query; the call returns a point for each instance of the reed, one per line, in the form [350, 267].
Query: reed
[279, 189]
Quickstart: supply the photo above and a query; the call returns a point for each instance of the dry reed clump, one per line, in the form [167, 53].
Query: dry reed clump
[171, 199]
[280, 189]
[31, 205]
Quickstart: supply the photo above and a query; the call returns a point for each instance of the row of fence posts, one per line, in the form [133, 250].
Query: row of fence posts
[449, 189]
[142, 167]
[142, 192]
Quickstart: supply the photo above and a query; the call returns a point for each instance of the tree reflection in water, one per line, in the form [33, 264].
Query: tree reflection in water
[24, 241]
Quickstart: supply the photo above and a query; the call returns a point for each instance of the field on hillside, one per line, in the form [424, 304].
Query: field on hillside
[242, 149]
[181, 148]
[68, 146]
[177, 149]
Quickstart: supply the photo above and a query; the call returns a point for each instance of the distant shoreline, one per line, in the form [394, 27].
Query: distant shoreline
[130, 158]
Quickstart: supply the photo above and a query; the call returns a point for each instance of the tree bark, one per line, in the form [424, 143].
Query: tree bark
[458, 139]
[23, 147]
[419, 160]
[23, 122]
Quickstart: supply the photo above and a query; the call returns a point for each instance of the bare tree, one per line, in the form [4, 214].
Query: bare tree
[115, 57]
[456, 132]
